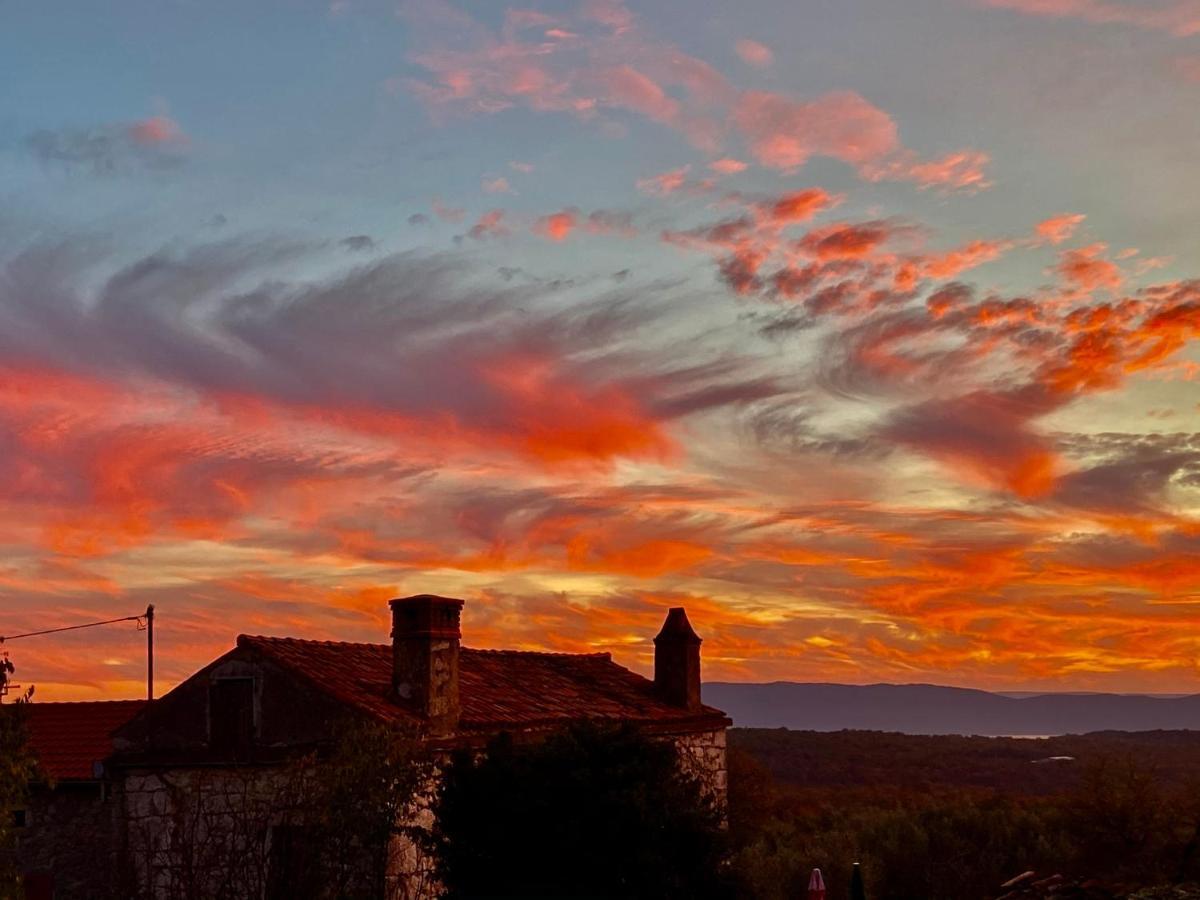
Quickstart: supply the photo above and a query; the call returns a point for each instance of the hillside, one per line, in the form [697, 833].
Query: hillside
[872, 761]
[932, 709]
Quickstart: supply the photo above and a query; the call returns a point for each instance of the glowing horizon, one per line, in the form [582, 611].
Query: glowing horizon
[868, 335]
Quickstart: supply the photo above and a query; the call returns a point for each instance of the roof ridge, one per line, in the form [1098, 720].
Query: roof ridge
[112, 700]
[597, 654]
[270, 637]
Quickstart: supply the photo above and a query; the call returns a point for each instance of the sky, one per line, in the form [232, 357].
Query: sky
[865, 330]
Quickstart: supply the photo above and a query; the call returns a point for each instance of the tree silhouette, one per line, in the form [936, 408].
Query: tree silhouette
[588, 812]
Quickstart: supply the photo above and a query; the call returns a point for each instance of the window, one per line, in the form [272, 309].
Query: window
[231, 716]
[20, 818]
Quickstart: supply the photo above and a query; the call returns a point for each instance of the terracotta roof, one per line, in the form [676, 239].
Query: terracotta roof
[69, 738]
[498, 689]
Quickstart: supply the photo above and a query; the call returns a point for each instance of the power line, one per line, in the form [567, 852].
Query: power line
[145, 623]
[13, 637]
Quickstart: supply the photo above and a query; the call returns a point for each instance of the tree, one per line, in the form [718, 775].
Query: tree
[590, 811]
[365, 801]
[18, 766]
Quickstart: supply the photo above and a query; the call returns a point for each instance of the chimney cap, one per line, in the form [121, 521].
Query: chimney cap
[676, 627]
[426, 598]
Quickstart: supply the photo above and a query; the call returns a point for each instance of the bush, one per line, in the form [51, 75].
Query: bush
[588, 812]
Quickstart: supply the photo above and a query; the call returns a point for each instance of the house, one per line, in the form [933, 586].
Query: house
[196, 775]
[65, 830]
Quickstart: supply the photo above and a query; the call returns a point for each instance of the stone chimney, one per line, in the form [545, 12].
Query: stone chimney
[677, 661]
[425, 643]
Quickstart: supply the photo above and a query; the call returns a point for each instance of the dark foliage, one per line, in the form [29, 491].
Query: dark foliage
[589, 812]
[17, 768]
[953, 818]
[351, 805]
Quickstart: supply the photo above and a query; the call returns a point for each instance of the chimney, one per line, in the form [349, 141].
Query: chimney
[677, 661]
[425, 641]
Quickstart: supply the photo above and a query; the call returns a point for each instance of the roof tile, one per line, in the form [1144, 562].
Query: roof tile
[69, 738]
[498, 688]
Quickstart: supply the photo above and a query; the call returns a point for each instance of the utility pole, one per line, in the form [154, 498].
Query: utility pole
[150, 652]
[146, 620]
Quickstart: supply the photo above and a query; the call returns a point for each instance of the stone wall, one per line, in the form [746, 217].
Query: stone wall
[67, 838]
[199, 832]
[243, 832]
[703, 753]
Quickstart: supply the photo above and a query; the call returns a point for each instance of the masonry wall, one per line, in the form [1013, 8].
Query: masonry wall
[240, 832]
[703, 754]
[67, 840]
[197, 832]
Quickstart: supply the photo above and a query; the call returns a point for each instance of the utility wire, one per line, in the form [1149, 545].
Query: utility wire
[13, 637]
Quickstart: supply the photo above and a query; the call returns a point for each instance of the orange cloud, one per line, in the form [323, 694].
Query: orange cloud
[964, 170]
[490, 224]
[557, 226]
[157, 130]
[797, 206]
[1059, 228]
[1085, 269]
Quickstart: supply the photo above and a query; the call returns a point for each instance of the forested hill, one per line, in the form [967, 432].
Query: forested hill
[886, 764]
[930, 709]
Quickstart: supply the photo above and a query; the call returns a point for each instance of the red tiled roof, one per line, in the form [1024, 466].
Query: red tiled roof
[497, 688]
[69, 738]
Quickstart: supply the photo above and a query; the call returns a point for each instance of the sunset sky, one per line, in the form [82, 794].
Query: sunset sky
[867, 330]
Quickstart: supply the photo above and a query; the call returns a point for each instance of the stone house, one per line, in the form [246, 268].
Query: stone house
[200, 770]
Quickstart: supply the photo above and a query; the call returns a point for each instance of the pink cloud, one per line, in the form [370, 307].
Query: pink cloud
[497, 185]
[665, 182]
[612, 13]
[963, 170]
[728, 166]
[753, 53]
[447, 213]
[1058, 228]
[523, 167]
[472, 70]
[1178, 17]
[784, 133]
[626, 87]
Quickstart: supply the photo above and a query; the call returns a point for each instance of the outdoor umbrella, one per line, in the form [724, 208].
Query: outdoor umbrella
[816, 886]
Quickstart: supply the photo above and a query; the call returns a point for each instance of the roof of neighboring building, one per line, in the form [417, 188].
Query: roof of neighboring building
[69, 738]
[498, 689]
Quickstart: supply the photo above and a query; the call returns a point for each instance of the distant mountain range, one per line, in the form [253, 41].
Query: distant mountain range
[932, 709]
